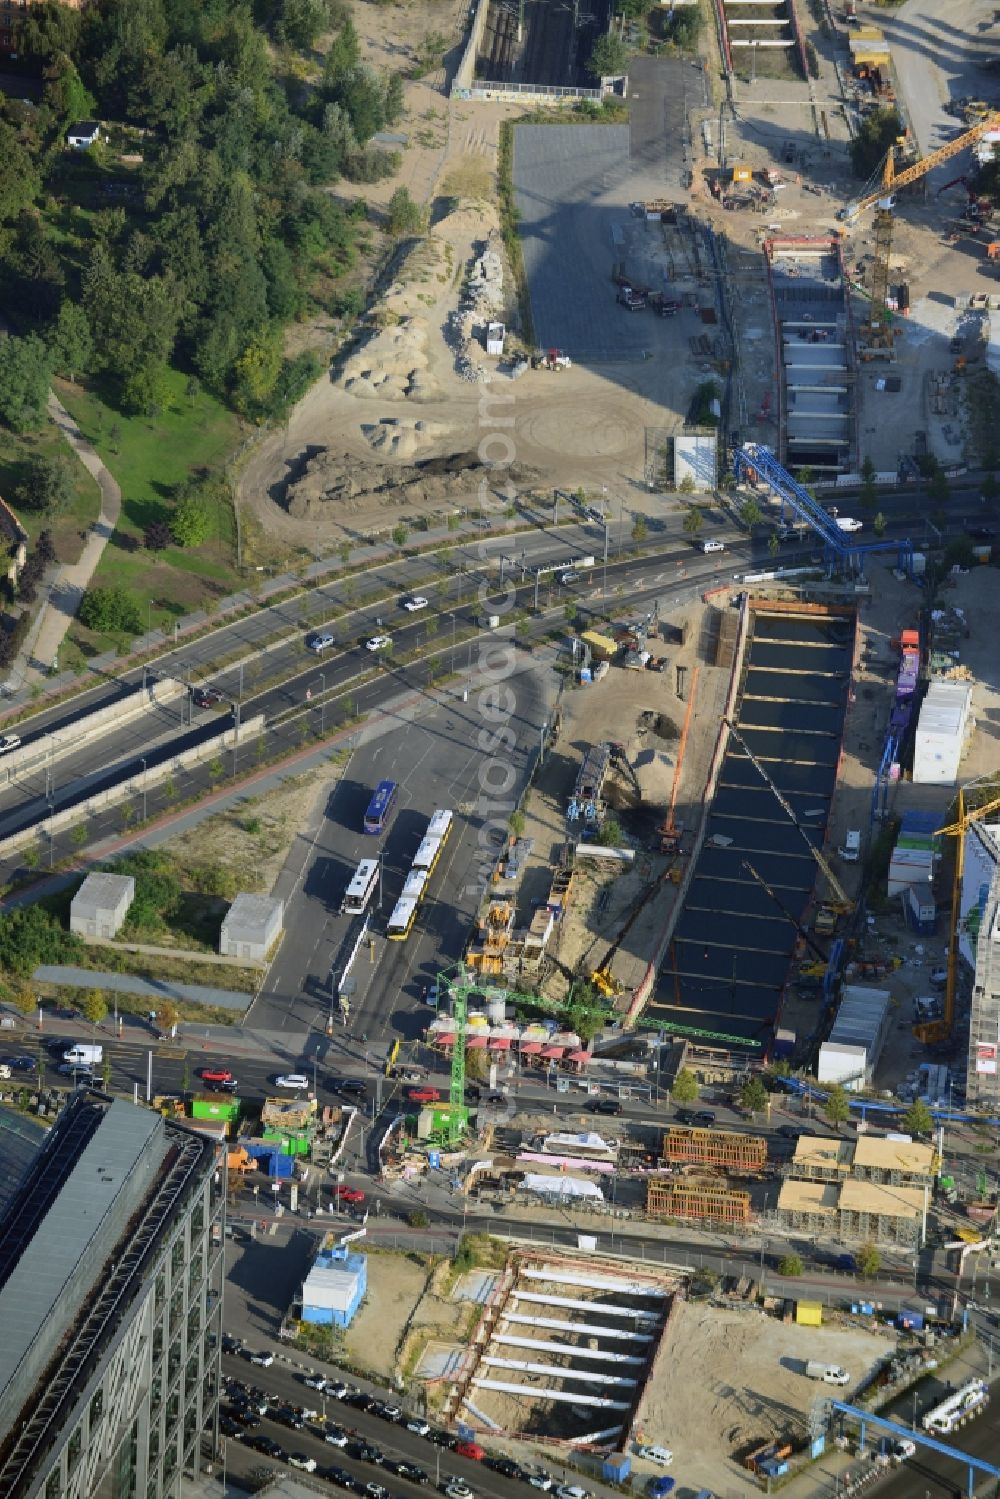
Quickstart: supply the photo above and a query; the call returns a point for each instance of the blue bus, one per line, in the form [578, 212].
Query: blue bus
[380, 806]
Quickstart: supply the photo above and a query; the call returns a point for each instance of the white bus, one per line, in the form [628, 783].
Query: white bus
[362, 887]
[428, 854]
[414, 886]
[401, 921]
[440, 825]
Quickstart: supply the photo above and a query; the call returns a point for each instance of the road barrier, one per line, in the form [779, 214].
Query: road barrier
[42, 751]
[123, 791]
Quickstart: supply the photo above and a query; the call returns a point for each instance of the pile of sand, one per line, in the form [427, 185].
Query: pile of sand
[403, 437]
[392, 365]
[337, 480]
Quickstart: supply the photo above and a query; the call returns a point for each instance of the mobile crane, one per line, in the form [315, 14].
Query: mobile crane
[843, 900]
[878, 328]
[932, 1032]
[812, 945]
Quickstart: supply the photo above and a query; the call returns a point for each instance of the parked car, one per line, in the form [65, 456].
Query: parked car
[605, 1106]
[320, 643]
[300, 1460]
[420, 1427]
[415, 603]
[264, 1359]
[505, 1466]
[570, 577]
[847, 523]
[335, 1436]
[653, 1454]
[659, 1488]
[215, 1074]
[455, 1488]
[9, 742]
[378, 643]
[713, 546]
[541, 1480]
[572, 1491]
[471, 1450]
[229, 1086]
[291, 1080]
[423, 1095]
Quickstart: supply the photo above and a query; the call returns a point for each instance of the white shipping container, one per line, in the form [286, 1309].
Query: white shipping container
[940, 736]
[909, 866]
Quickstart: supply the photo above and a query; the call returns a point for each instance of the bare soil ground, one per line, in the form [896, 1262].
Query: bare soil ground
[396, 1283]
[612, 709]
[731, 1379]
[253, 839]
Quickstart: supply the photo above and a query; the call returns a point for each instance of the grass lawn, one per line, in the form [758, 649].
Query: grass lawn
[150, 456]
[68, 529]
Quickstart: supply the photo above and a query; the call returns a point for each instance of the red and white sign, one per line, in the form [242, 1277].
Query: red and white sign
[986, 1057]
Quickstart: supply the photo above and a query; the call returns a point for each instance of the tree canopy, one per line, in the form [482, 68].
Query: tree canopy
[219, 229]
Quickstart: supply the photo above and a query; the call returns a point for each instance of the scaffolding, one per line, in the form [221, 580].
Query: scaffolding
[674, 1200]
[716, 1148]
[493, 933]
[855, 1211]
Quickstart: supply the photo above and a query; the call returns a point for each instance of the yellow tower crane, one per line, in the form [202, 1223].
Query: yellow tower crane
[878, 328]
[931, 1032]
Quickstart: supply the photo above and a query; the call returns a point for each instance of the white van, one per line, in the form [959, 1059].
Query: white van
[713, 546]
[851, 851]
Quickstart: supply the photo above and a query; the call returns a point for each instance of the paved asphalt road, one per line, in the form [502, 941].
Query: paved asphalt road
[436, 763]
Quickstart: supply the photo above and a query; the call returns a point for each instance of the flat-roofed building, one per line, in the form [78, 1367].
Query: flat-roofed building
[111, 1272]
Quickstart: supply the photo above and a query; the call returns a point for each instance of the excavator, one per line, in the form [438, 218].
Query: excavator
[878, 329]
[933, 1032]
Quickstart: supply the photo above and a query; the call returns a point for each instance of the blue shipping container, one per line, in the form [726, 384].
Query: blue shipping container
[616, 1469]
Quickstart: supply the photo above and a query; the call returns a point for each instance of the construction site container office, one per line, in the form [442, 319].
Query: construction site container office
[942, 728]
[850, 1055]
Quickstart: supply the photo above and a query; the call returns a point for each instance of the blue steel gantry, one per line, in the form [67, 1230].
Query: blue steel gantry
[755, 462]
[920, 1438]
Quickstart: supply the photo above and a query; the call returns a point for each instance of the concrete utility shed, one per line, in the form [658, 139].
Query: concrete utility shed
[101, 904]
[251, 927]
[696, 458]
[851, 1052]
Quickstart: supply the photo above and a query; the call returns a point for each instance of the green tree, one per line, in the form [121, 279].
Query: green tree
[608, 58]
[23, 997]
[191, 522]
[70, 341]
[342, 58]
[751, 514]
[47, 486]
[868, 1262]
[25, 372]
[773, 544]
[610, 835]
[392, 103]
[109, 611]
[106, 1073]
[19, 179]
[640, 529]
[168, 1016]
[837, 1107]
[938, 488]
[790, 1264]
[879, 524]
[685, 1088]
[918, 1119]
[399, 535]
[345, 552]
[868, 494]
[876, 136]
[693, 520]
[868, 470]
[686, 486]
[94, 1006]
[754, 1096]
[404, 217]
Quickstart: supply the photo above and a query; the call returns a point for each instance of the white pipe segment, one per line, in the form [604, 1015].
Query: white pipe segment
[587, 1375]
[544, 1347]
[596, 1282]
[604, 1307]
[560, 1323]
[543, 1392]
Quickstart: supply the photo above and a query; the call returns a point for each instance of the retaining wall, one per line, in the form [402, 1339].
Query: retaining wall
[83, 730]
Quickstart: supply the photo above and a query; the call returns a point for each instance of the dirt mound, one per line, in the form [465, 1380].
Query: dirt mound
[337, 479]
[392, 365]
[402, 437]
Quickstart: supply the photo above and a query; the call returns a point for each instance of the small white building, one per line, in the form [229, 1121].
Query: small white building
[251, 927]
[850, 1055]
[101, 904]
[696, 458]
[83, 135]
[495, 335]
[943, 727]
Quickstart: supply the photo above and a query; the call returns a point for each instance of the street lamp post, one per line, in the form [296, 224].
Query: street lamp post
[322, 704]
[142, 762]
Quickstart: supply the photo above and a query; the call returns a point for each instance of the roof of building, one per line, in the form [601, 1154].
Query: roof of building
[808, 1197]
[861, 1016]
[815, 1150]
[84, 127]
[21, 1139]
[874, 1151]
[102, 892]
[40, 1291]
[332, 1282]
[888, 1202]
[251, 914]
